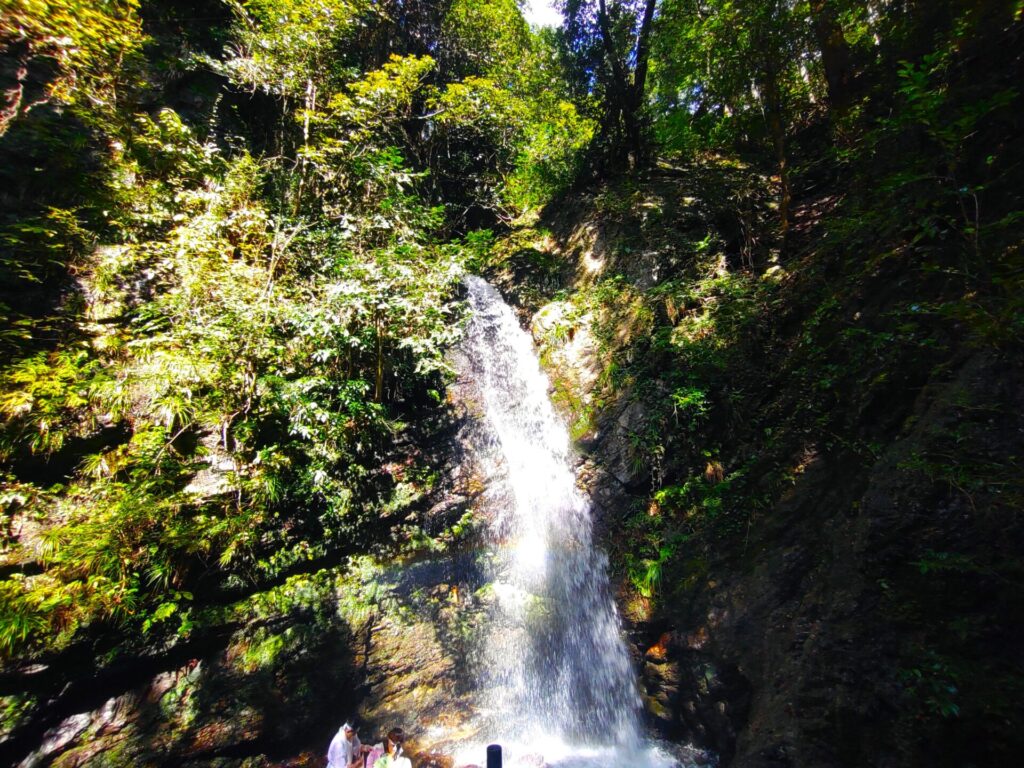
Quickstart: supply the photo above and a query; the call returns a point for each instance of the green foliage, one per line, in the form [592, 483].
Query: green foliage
[75, 69]
[49, 398]
[933, 686]
[94, 46]
[253, 353]
[551, 159]
[706, 56]
[353, 157]
[505, 122]
[607, 46]
[228, 324]
[289, 47]
[486, 39]
[35, 248]
[645, 574]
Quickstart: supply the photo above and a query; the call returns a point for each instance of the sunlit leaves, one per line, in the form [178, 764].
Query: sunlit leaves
[511, 132]
[252, 327]
[487, 39]
[371, 103]
[91, 42]
[284, 46]
[49, 398]
[720, 65]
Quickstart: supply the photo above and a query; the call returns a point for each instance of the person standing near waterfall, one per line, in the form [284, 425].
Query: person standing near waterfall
[345, 751]
[392, 751]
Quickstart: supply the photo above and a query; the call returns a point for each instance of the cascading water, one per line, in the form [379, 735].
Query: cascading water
[555, 675]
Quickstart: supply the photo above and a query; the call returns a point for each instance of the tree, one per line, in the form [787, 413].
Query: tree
[485, 38]
[771, 49]
[835, 52]
[502, 134]
[610, 43]
[746, 62]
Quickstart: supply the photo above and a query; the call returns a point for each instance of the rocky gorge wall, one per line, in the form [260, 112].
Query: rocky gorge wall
[814, 534]
[265, 678]
[807, 489]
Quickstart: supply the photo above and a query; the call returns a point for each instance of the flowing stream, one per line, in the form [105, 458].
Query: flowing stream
[556, 677]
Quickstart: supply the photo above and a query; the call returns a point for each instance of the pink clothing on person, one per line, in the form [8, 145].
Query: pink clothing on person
[373, 755]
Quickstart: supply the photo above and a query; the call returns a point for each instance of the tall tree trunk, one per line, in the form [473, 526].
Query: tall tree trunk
[620, 90]
[629, 87]
[773, 103]
[638, 138]
[835, 54]
[778, 133]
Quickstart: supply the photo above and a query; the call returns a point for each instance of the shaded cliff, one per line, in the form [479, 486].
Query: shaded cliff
[807, 455]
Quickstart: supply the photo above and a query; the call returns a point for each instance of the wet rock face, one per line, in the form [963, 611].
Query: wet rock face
[204, 710]
[276, 697]
[417, 673]
[691, 696]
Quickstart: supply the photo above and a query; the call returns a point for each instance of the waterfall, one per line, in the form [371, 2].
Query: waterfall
[556, 677]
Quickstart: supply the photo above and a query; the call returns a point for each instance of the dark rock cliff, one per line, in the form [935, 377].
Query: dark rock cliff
[817, 539]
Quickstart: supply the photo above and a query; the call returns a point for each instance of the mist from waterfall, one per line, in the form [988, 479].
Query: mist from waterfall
[555, 659]
[555, 673]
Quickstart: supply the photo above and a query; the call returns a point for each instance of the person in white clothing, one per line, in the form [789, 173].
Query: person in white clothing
[345, 751]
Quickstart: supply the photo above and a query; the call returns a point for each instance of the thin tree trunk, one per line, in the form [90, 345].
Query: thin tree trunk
[310, 106]
[378, 390]
[777, 130]
[778, 133]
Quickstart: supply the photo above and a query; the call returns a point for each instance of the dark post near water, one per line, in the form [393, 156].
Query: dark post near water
[493, 756]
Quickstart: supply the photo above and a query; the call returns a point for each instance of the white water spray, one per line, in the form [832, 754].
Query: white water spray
[557, 680]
